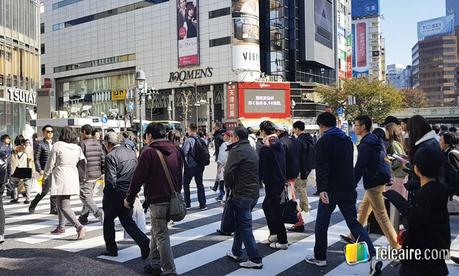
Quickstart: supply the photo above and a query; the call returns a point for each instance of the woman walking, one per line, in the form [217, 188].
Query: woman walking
[395, 148]
[21, 159]
[62, 167]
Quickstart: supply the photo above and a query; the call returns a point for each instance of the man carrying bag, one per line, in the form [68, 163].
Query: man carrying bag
[160, 169]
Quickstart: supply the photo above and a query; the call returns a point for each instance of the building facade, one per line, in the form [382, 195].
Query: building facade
[195, 53]
[368, 52]
[399, 76]
[19, 64]
[452, 8]
[343, 40]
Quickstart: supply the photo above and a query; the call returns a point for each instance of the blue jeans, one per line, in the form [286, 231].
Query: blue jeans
[197, 173]
[346, 202]
[243, 233]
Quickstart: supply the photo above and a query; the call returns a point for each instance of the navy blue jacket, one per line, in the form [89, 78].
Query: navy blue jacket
[370, 162]
[271, 162]
[334, 162]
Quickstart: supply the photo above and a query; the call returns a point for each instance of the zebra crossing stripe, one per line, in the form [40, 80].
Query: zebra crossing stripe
[88, 243]
[209, 254]
[34, 239]
[133, 252]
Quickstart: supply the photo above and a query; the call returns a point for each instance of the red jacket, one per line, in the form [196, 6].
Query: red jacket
[150, 173]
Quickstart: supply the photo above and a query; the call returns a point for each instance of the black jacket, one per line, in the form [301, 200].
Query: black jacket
[428, 228]
[241, 171]
[40, 156]
[292, 156]
[218, 141]
[305, 144]
[334, 162]
[272, 166]
[120, 165]
[95, 157]
[370, 162]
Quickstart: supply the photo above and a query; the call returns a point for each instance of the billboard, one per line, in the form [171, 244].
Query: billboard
[188, 32]
[365, 8]
[246, 40]
[232, 101]
[323, 19]
[437, 26]
[360, 58]
[263, 99]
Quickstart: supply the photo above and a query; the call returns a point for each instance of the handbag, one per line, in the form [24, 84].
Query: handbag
[138, 216]
[177, 207]
[228, 223]
[22, 173]
[289, 208]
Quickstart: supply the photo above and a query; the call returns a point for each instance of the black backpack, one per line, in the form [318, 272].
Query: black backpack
[200, 152]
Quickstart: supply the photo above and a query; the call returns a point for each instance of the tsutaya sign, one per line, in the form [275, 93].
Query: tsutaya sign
[184, 75]
[22, 96]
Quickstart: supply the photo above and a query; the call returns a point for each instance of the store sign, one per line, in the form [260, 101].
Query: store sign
[232, 101]
[118, 95]
[184, 75]
[22, 96]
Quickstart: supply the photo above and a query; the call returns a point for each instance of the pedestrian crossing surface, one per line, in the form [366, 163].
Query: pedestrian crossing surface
[197, 248]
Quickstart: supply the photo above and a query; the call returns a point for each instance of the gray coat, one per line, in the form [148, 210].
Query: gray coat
[95, 157]
[241, 171]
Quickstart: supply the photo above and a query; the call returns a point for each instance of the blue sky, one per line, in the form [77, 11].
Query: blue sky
[400, 22]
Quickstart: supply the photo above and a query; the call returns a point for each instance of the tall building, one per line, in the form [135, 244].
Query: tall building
[19, 65]
[368, 44]
[452, 8]
[208, 60]
[344, 39]
[399, 76]
[435, 61]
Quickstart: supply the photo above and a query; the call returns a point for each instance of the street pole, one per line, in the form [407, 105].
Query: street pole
[141, 125]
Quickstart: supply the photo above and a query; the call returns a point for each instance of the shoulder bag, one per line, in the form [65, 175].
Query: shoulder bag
[177, 207]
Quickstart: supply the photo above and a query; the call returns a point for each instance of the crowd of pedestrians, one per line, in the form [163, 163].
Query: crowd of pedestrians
[410, 163]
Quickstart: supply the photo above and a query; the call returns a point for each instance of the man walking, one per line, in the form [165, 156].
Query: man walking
[336, 187]
[5, 173]
[218, 141]
[241, 179]
[152, 175]
[41, 153]
[272, 174]
[120, 164]
[376, 173]
[192, 168]
[95, 157]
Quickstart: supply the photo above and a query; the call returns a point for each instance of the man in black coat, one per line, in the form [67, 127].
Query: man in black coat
[219, 131]
[335, 184]
[41, 152]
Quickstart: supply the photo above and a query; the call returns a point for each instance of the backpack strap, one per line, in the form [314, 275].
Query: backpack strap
[166, 170]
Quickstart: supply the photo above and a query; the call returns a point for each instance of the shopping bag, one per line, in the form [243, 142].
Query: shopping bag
[228, 223]
[139, 218]
[21, 187]
[99, 187]
[356, 253]
[289, 208]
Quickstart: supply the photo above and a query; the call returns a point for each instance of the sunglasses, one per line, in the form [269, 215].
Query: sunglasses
[49, 131]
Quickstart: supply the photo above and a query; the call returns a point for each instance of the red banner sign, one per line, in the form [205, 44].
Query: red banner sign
[232, 101]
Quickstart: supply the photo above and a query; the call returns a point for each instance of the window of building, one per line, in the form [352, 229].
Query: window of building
[220, 41]
[64, 3]
[219, 13]
[43, 69]
[94, 63]
[42, 28]
[42, 49]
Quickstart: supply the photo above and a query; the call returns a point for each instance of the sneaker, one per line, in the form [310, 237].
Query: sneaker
[32, 207]
[53, 212]
[271, 239]
[81, 232]
[203, 207]
[26, 201]
[14, 201]
[188, 207]
[2, 239]
[58, 231]
[375, 267]
[212, 188]
[83, 220]
[230, 255]
[314, 261]
[220, 232]
[347, 239]
[281, 246]
[252, 265]
[294, 228]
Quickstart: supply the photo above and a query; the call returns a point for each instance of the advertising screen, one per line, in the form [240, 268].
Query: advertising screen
[188, 32]
[360, 52]
[246, 40]
[436, 26]
[323, 18]
[260, 99]
[365, 8]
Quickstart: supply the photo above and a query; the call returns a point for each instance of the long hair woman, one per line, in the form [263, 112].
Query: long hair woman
[62, 166]
[395, 147]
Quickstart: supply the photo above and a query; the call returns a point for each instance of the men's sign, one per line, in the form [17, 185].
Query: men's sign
[22, 96]
[184, 75]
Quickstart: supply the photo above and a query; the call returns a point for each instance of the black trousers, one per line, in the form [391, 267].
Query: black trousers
[44, 191]
[272, 210]
[113, 206]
